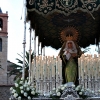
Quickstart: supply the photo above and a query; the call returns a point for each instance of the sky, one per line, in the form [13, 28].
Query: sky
[15, 10]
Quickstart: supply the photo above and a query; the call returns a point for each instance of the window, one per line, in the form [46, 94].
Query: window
[0, 44]
[1, 24]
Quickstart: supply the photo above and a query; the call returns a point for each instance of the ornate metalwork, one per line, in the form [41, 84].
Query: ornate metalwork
[67, 6]
[31, 2]
[69, 90]
[45, 6]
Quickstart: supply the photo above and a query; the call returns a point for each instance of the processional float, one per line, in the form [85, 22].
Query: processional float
[40, 71]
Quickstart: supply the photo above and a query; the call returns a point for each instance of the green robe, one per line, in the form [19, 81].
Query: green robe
[71, 71]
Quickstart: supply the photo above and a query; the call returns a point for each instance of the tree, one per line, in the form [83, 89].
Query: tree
[17, 69]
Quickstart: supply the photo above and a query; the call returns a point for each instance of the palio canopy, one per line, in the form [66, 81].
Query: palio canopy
[50, 17]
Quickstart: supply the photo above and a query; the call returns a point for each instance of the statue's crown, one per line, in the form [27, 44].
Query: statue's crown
[69, 38]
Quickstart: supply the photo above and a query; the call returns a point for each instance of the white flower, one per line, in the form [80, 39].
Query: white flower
[57, 90]
[54, 89]
[27, 89]
[82, 90]
[58, 87]
[33, 89]
[50, 92]
[22, 79]
[98, 90]
[58, 94]
[9, 98]
[13, 91]
[21, 87]
[92, 91]
[16, 85]
[80, 93]
[73, 85]
[29, 98]
[11, 88]
[21, 82]
[25, 94]
[15, 95]
[76, 89]
[22, 91]
[25, 85]
[19, 98]
[62, 88]
[33, 92]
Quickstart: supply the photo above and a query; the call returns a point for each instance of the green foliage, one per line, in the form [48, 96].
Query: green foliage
[17, 69]
[23, 89]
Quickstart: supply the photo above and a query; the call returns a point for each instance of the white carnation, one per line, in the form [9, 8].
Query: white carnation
[16, 85]
[29, 98]
[54, 89]
[76, 88]
[21, 82]
[25, 85]
[27, 89]
[80, 93]
[9, 98]
[15, 95]
[33, 89]
[58, 94]
[13, 91]
[25, 94]
[19, 98]
[33, 92]
[11, 88]
[57, 90]
[73, 85]
[63, 88]
[82, 90]
[21, 87]
[58, 87]
[22, 79]
[92, 91]
[22, 91]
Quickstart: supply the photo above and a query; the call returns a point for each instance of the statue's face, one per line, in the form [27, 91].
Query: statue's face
[70, 45]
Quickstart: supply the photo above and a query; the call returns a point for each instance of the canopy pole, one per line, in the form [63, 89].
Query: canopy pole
[38, 45]
[24, 42]
[30, 58]
[34, 55]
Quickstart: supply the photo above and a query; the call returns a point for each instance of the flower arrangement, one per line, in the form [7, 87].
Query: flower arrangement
[56, 92]
[82, 92]
[23, 89]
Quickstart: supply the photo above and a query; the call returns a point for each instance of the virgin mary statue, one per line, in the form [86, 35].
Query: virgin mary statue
[69, 54]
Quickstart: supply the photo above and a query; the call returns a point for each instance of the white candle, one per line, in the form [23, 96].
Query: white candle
[53, 68]
[88, 66]
[82, 69]
[60, 69]
[56, 70]
[79, 67]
